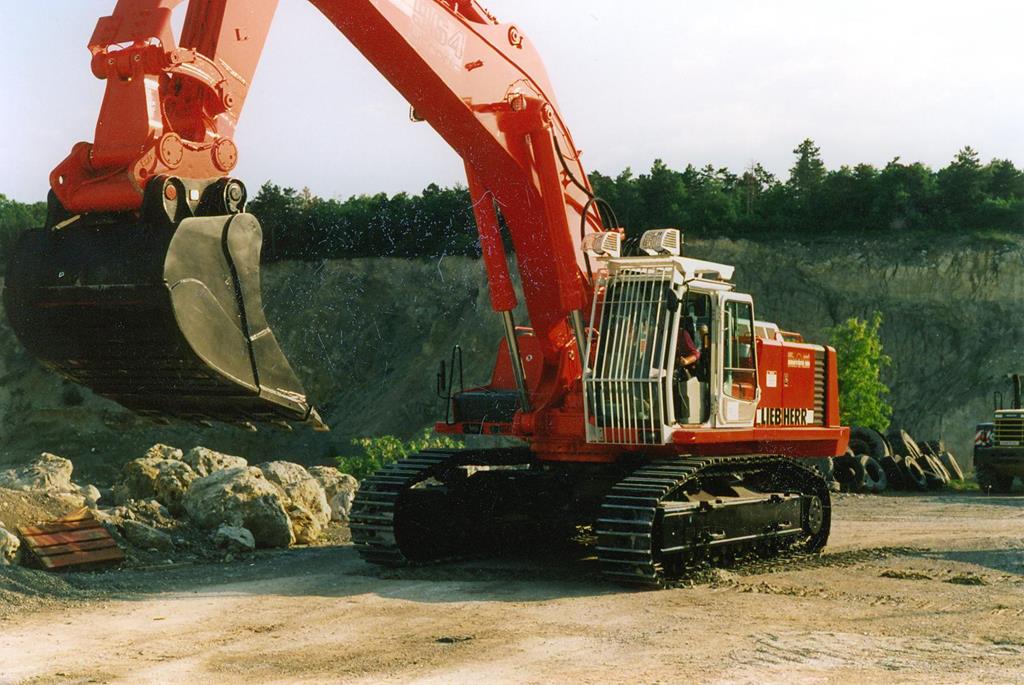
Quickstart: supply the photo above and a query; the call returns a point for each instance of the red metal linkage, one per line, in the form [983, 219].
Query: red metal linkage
[166, 109]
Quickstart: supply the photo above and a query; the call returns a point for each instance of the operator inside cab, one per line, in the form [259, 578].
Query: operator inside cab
[693, 357]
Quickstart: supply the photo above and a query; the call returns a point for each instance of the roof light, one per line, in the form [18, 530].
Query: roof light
[663, 241]
[603, 243]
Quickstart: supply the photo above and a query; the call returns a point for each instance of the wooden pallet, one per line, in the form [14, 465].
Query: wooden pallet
[72, 540]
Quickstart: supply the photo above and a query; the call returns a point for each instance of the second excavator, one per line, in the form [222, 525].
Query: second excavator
[648, 405]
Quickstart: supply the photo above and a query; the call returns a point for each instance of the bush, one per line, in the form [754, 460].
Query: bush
[861, 390]
[386, 449]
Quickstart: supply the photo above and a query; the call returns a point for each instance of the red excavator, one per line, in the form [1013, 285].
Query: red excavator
[647, 404]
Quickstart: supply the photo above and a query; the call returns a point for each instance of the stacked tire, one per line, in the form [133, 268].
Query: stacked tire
[935, 462]
[860, 469]
[937, 449]
[912, 467]
[895, 461]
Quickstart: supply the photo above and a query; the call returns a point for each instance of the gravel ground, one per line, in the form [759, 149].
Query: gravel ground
[925, 589]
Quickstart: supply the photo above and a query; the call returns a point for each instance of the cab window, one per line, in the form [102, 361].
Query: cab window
[739, 378]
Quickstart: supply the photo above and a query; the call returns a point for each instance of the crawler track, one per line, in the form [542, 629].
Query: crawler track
[420, 510]
[425, 508]
[628, 531]
[374, 509]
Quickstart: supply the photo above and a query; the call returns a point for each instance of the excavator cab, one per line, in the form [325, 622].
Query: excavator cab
[159, 311]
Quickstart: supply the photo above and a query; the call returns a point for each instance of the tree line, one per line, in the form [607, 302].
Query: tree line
[15, 217]
[965, 195]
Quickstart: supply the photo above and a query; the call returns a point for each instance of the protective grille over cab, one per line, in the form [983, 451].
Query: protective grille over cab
[627, 386]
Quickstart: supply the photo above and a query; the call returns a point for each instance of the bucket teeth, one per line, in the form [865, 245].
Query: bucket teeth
[317, 423]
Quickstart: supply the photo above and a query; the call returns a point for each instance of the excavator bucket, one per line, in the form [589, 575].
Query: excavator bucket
[165, 320]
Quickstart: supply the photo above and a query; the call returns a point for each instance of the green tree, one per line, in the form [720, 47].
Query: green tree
[962, 184]
[280, 213]
[808, 173]
[756, 180]
[16, 217]
[622, 194]
[862, 394]
[711, 206]
[804, 189]
[905, 196]
[1005, 181]
[662, 195]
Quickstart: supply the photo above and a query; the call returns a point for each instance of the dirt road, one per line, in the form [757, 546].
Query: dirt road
[912, 589]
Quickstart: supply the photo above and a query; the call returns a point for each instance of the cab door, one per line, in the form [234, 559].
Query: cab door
[738, 390]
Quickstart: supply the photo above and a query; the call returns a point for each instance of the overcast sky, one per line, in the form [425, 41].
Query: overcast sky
[728, 82]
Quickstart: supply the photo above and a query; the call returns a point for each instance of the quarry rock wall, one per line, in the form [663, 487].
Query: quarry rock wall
[366, 336]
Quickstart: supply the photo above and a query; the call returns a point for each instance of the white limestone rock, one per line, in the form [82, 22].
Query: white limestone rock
[10, 548]
[206, 461]
[306, 501]
[241, 497]
[234, 538]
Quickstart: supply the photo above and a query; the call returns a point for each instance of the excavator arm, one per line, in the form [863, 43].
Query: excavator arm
[144, 285]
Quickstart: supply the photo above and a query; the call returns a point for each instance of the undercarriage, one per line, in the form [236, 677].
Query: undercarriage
[652, 521]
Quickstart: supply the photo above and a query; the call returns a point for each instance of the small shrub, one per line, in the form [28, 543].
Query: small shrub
[967, 485]
[378, 452]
